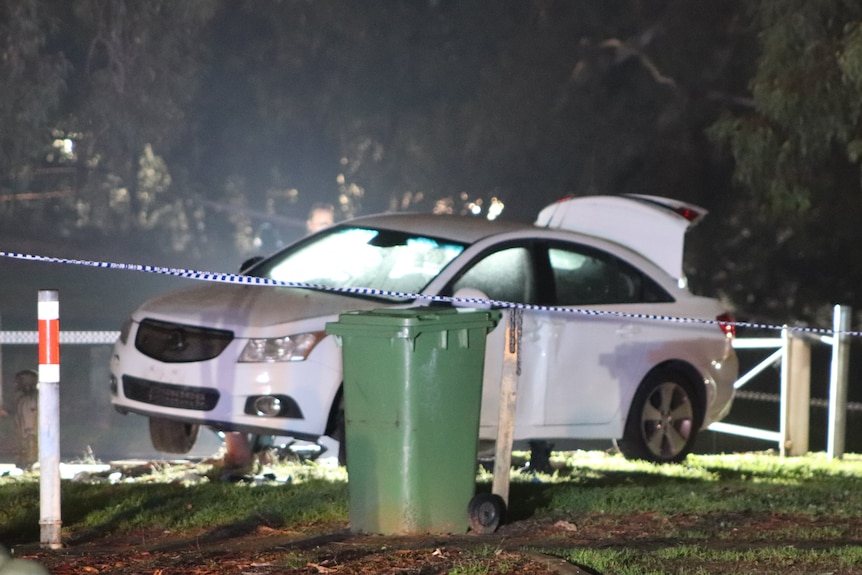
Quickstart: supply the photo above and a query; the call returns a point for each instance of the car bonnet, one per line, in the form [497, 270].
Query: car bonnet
[250, 311]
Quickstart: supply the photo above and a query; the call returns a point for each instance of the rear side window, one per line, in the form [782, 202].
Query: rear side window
[591, 277]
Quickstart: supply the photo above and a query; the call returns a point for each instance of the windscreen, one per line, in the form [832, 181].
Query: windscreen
[355, 257]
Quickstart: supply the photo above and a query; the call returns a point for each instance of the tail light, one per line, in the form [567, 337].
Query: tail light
[727, 325]
[688, 213]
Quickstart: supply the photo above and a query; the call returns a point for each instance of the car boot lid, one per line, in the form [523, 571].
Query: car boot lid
[650, 225]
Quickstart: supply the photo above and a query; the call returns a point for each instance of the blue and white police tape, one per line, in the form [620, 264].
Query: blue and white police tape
[252, 280]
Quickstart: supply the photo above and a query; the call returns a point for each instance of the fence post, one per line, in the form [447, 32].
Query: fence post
[49, 419]
[838, 383]
[508, 405]
[795, 395]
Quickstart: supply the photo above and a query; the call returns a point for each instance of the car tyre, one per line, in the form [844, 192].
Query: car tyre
[170, 436]
[664, 418]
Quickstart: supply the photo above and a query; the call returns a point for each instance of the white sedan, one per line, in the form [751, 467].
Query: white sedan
[611, 361]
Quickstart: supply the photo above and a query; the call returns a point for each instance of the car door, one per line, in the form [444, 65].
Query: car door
[590, 354]
[566, 359]
[507, 273]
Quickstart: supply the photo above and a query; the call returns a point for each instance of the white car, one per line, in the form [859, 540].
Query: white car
[614, 363]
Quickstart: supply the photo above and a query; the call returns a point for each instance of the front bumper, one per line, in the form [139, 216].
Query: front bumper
[283, 398]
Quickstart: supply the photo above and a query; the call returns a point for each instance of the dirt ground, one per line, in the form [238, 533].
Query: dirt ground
[332, 549]
[525, 545]
[263, 550]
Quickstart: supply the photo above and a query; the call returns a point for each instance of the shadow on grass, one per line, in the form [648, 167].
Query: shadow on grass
[94, 511]
[208, 510]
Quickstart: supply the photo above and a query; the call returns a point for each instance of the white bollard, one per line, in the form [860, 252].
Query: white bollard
[49, 418]
[838, 383]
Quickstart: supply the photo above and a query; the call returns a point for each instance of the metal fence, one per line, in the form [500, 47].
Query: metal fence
[793, 353]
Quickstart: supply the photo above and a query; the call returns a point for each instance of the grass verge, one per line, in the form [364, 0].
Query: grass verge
[751, 513]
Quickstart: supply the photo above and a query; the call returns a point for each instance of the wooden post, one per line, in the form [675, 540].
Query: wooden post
[784, 439]
[508, 403]
[838, 383]
[795, 395]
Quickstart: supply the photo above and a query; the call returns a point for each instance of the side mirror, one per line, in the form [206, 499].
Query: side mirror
[249, 263]
[471, 298]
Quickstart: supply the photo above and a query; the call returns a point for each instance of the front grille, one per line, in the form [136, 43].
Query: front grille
[168, 395]
[177, 343]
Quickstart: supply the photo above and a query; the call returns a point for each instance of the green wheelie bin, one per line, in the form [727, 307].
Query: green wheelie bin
[412, 397]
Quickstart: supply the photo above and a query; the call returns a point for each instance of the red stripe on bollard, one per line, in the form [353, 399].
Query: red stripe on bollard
[49, 335]
[49, 342]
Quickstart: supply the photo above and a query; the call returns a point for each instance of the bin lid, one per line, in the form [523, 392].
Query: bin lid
[410, 322]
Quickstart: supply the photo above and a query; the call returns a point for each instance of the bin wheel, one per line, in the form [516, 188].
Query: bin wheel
[486, 512]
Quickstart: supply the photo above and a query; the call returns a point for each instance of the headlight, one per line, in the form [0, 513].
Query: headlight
[287, 348]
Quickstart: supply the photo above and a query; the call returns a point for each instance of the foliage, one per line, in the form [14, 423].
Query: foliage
[803, 138]
[138, 84]
[33, 84]
[796, 154]
[255, 110]
[204, 127]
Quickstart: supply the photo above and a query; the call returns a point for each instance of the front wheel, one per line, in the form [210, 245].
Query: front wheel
[663, 420]
[170, 436]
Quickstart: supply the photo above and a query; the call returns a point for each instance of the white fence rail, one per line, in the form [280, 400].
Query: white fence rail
[793, 351]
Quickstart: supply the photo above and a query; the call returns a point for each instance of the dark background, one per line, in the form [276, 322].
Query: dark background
[194, 134]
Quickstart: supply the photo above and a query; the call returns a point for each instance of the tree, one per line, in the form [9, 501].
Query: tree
[33, 82]
[797, 154]
[139, 76]
[424, 102]
[193, 121]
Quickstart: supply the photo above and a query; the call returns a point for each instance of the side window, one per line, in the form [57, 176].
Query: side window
[590, 277]
[505, 275]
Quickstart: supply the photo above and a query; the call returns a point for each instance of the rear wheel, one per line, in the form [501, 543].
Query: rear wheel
[664, 419]
[171, 436]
